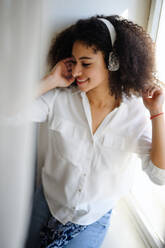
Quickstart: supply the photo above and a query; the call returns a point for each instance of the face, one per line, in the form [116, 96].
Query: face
[89, 67]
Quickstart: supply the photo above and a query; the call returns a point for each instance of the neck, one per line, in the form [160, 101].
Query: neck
[101, 97]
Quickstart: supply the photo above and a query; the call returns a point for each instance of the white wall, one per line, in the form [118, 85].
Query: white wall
[19, 47]
[57, 14]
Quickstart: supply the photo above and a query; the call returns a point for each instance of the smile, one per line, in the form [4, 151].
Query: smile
[81, 81]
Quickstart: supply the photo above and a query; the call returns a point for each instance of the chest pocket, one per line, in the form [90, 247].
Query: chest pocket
[68, 140]
[116, 152]
[115, 142]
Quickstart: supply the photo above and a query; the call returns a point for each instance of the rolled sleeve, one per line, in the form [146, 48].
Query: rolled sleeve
[143, 149]
[38, 111]
[41, 107]
[156, 174]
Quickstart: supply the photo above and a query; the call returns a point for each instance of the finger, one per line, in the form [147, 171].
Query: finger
[69, 66]
[147, 94]
[68, 60]
[156, 91]
[149, 91]
[71, 79]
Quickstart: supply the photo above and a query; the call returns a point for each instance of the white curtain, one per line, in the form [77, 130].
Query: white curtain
[19, 69]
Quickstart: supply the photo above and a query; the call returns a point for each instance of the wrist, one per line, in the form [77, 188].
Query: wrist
[156, 115]
[48, 82]
[156, 111]
[45, 85]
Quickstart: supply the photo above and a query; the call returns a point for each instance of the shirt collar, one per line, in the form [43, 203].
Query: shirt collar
[75, 90]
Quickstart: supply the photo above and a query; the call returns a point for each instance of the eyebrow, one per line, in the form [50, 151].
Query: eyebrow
[82, 57]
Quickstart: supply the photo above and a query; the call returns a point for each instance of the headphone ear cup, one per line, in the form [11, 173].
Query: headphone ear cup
[113, 62]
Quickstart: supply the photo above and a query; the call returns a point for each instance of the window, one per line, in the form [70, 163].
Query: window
[147, 200]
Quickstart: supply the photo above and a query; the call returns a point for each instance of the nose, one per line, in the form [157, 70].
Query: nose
[76, 70]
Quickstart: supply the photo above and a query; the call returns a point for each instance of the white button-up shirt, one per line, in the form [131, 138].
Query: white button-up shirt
[84, 174]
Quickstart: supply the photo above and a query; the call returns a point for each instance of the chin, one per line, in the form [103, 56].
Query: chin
[85, 89]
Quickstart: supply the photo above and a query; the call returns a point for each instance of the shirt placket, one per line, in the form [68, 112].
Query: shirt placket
[79, 193]
[100, 130]
[87, 111]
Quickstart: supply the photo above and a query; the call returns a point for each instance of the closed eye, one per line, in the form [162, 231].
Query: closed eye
[85, 65]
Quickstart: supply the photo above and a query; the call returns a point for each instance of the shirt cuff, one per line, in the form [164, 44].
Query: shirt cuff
[156, 174]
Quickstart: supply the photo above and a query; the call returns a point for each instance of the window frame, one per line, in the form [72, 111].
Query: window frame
[144, 227]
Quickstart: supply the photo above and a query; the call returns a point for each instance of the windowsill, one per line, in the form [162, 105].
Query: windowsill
[123, 231]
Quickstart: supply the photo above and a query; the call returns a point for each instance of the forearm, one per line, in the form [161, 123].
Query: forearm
[158, 140]
[46, 84]
[60, 76]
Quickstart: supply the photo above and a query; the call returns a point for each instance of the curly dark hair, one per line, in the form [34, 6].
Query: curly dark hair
[133, 45]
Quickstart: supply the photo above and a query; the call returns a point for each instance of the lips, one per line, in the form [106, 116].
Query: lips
[81, 81]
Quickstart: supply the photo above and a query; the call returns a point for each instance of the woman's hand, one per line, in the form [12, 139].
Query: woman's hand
[61, 74]
[153, 99]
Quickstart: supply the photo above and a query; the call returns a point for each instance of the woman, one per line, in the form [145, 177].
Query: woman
[101, 70]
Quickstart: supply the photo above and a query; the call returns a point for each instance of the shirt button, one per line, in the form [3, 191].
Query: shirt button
[85, 174]
[79, 190]
[74, 208]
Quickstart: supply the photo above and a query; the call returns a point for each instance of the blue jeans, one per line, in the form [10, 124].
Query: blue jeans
[92, 236]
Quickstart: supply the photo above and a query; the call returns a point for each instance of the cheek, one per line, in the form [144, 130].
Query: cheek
[89, 73]
[97, 73]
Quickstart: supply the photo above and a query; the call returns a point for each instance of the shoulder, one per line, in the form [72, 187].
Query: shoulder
[135, 106]
[69, 93]
[51, 95]
[137, 115]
